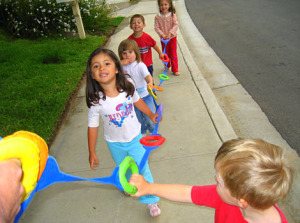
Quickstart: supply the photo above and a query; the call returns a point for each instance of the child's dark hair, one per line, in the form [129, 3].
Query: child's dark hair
[171, 9]
[93, 88]
[137, 16]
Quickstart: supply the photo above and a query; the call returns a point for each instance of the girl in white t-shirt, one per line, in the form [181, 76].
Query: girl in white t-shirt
[130, 57]
[111, 95]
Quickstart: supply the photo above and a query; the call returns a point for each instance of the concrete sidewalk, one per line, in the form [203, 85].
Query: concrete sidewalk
[193, 124]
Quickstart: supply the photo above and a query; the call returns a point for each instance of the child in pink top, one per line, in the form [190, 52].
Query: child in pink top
[252, 176]
[166, 25]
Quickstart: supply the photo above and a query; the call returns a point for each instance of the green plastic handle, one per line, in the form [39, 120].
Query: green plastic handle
[163, 77]
[127, 163]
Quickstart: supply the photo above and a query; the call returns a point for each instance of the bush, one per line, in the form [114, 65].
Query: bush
[39, 18]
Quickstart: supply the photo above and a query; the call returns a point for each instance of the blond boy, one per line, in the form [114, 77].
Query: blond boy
[252, 176]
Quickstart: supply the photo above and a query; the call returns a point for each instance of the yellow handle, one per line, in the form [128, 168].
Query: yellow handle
[151, 92]
[30, 152]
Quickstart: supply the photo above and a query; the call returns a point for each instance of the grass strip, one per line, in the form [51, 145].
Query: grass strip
[37, 79]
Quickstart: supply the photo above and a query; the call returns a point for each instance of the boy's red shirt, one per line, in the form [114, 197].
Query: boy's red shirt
[145, 42]
[225, 213]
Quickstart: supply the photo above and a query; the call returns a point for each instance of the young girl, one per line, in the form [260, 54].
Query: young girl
[166, 25]
[111, 95]
[129, 54]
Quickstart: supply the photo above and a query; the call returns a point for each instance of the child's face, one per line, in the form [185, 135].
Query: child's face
[137, 25]
[224, 193]
[164, 6]
[103, 69]
[129, 55]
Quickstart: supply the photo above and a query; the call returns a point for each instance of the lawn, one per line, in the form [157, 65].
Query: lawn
[38, 78]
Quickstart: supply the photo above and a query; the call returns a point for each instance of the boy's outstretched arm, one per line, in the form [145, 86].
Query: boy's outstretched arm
[160, 54]
[172, 192]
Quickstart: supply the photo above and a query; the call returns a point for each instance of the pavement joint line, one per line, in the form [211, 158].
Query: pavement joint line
[180, 157]
[219, 120]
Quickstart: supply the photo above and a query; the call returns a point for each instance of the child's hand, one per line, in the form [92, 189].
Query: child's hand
[164, 36]
[93, 161]
[153, 117]
[125, 62]
[141, 184]
[11, 189]
[161, 56]
[150, 85]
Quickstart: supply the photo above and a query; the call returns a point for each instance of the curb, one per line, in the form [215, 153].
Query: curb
[218, 118]
[290, 205]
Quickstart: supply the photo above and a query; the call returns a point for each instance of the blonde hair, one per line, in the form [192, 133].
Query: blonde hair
[254, 170]
[129, 44]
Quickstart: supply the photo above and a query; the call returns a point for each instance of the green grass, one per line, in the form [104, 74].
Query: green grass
[37, 79]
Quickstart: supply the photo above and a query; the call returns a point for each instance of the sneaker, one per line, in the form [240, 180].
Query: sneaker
[154, 209]
[176, 73]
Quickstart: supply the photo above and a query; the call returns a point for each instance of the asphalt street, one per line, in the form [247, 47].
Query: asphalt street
[259, 43]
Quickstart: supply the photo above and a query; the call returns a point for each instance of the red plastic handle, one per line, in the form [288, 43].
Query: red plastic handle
[152, 140]
[165, 58]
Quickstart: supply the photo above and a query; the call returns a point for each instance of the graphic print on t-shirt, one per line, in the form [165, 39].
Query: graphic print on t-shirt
[123, 111]
[144, 50]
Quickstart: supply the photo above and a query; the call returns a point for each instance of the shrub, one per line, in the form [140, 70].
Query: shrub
[38, 18]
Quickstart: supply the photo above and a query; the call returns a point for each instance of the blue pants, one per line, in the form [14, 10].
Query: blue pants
[150, 69]
[146, 122]
[134, 149]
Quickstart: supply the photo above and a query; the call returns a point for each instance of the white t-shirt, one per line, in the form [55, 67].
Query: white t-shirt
[120, 123]
[138, 72]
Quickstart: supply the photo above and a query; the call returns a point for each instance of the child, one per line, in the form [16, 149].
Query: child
[131, 60]
[166, 24]
[251, 176]
[144, 41]
[111, 95]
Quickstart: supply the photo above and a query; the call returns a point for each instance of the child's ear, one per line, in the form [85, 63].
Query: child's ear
[242, 203]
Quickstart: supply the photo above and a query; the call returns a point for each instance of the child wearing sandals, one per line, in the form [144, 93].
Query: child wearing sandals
[166, 24]
[111, 95]
[252, 176]
[132, 64]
